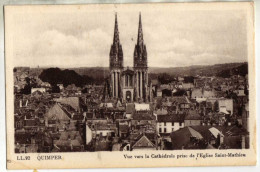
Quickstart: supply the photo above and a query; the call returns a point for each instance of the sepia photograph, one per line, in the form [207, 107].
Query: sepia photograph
[130, 81]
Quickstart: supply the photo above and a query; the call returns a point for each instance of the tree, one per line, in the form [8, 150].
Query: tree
[215, 107]
[246, 90]
[55, 89]
[66, 77]
[165, 78]
[179, 93]
[189, 79]
[166, 92]
[27, 88]
[159, 103]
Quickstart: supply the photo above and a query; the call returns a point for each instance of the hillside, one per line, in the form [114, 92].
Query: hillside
[94, 72]
[207, 70]
[97, 75]
[195, 70]
[241, 70]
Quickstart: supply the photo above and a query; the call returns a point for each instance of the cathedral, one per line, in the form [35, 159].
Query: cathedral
[129, 84]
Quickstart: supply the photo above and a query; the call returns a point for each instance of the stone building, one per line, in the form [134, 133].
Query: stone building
[129, 84]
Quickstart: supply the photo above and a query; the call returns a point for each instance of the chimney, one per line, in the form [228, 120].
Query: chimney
[32, 141]
[71, 146]
[21, 103]
[221, 139]
[156, 117]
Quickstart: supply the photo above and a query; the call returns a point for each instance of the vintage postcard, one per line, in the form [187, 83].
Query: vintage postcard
[130, 85]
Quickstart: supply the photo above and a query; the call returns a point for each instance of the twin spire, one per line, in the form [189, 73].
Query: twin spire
[116, 51]
[140, 32]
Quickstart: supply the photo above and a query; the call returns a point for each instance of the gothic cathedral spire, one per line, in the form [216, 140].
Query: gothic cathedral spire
[116, 63]
[116, 51]
[131, 86]
[116, 32]
[140, 66]
[140, 54]
[140, 32]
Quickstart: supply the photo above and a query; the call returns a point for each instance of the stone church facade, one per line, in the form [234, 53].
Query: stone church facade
[129, 84]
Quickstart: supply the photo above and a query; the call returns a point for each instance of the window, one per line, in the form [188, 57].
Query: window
[130, 81]
[172, 123]
[160, 130]
[165, 130]
[164, 123]
[112, 134]
[126, 81]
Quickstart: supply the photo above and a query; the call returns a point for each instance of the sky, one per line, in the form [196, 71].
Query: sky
[174, 37]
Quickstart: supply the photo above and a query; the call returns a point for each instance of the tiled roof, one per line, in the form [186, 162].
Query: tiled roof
[195, 133]
[161, 112]
[130, 108]
[69, 138]
[181, 137]
[89, 115]
[23, 138]
[215, 132]
[123, 128]
[30, 122]
[169, 118]
[105, 126]
[56, 112]
[142, 106]
[225, 130]
[78, 117]
[72, 101]
[143, 116]
[234, 142]
[107, 105]
[179, 100]
[193, 115]
[143, 142]
[166, 103]
[102, 145]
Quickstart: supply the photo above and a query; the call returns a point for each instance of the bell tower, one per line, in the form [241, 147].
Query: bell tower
[140, 66]
[116, 63]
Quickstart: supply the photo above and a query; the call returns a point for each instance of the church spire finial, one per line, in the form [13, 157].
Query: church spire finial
[116, 32]
[140, 31]
[116, 17]
[140, 19]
